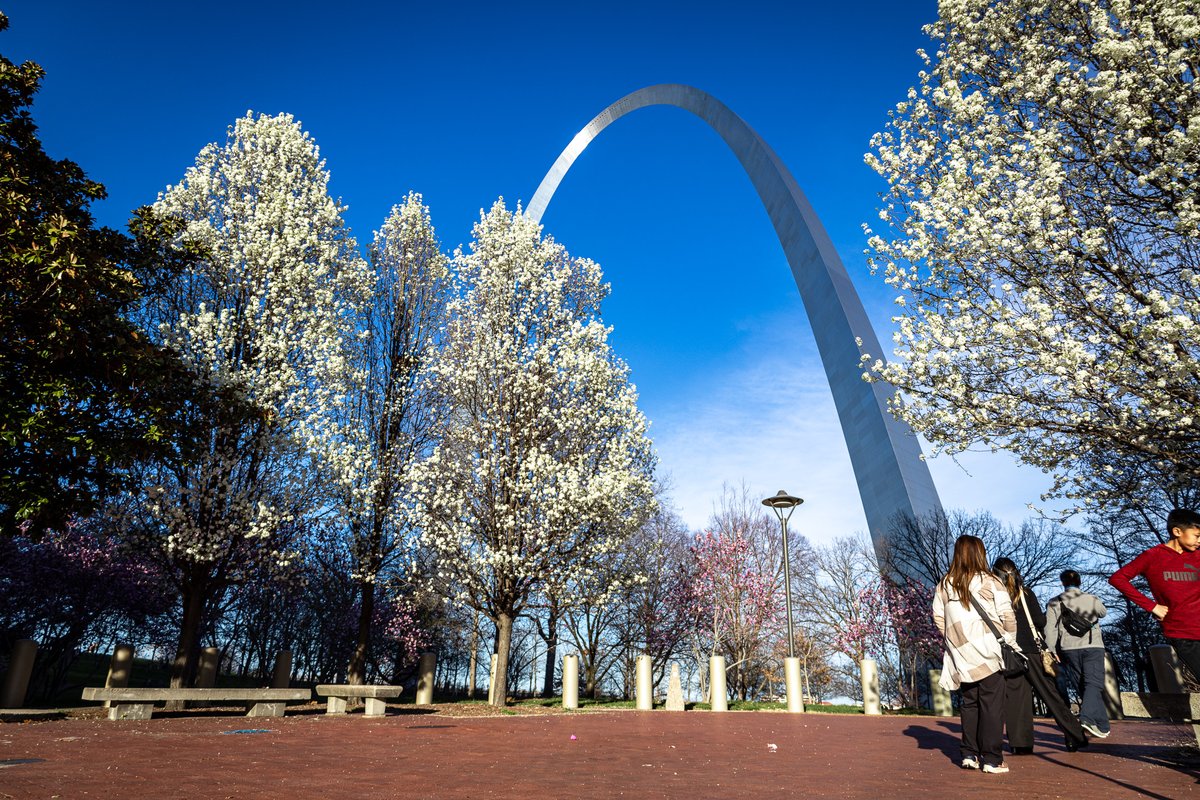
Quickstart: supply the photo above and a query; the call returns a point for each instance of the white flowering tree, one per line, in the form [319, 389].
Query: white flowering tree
[265, 316]
[1041, 229]
[391, 414]
[543, 464]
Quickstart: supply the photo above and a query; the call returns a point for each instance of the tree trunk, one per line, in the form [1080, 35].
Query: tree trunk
[183, 668]
[473, 666]
[397, 676]
[504, 626]
[356, 672]
[551, 652]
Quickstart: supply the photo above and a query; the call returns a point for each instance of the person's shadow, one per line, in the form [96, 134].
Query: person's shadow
[948, 741]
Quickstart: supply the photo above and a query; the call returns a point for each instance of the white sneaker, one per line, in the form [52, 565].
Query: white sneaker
[970, 762]
[1093, 730]
[995, 768]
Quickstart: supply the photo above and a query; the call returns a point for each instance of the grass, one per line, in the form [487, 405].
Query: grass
[584, 702]
[91, 669]
[745, 705]
[833, 709]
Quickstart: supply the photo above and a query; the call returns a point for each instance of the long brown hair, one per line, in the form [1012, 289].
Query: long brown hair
[970, 559]
[1010, 576]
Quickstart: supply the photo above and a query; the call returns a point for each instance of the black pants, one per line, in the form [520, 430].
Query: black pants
[1188, 651]
[1018, 706]
[982, 712]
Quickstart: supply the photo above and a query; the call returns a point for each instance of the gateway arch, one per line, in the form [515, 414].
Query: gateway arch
[892, 478]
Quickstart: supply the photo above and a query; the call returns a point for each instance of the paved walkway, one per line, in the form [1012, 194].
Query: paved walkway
[693, 755]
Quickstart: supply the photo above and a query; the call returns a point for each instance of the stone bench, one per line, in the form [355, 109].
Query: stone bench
[1176, 707]
[373, 697]
[139, 703]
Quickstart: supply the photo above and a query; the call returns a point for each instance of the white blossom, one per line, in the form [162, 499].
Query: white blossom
[264, 316]
[543, 464]
[1042, 227]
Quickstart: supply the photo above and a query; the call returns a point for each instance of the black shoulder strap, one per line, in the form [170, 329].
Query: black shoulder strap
[986, 618]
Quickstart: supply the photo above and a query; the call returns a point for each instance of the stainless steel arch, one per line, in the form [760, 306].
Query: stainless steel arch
[886, 457]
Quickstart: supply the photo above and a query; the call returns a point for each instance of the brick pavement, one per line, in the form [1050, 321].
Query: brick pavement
[658, 754]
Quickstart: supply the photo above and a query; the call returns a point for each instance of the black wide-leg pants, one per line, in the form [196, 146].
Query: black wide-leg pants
[982, 713]
[1018, 706]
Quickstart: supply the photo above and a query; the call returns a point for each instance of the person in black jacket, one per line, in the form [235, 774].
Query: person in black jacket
[1018, 704]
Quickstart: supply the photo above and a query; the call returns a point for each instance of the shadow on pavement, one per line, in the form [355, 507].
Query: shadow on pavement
[1154, 756]
[1180, 759]
[30, 714]
[950, 744]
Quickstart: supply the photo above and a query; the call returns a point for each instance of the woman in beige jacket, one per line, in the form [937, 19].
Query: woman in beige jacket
[973, 663]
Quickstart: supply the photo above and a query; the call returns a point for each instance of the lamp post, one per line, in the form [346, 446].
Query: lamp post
[783, 504]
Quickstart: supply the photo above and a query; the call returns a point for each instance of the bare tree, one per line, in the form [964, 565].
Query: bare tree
[654, 617]
[920, 549]
[830, 602]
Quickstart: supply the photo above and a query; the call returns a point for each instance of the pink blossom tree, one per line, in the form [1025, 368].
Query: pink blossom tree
[735, 601]
[864, 630]
[69, 588]
[917, 640]
[889, 621]
[866, 613]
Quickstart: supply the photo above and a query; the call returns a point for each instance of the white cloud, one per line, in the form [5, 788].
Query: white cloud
[767, 418]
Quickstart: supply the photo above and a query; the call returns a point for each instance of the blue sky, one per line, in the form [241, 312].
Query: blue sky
[467, 102]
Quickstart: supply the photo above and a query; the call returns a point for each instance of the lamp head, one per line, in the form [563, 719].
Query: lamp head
[782, 502]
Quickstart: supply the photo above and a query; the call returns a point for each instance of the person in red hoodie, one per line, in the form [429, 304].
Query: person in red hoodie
[1173, 572]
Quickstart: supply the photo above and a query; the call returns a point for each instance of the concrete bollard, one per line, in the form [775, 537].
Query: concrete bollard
[942, 705]
[570, 680]
[793, 686]
[206, 676]
[119, 669]
[492, 680]
[16, 679]
[1167, 673]
[425, 672]
[281, 676]
[675, 691]
[645, 689]
[869, 671]
[716, 684]
[1112, 689]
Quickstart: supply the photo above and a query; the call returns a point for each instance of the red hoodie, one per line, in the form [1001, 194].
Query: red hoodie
[1175, 583]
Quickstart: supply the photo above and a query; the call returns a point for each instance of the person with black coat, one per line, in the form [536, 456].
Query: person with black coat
[1018, 703]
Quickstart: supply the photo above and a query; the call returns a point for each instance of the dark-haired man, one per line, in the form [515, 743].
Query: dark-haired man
[1073, 630]
[1173, 571]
